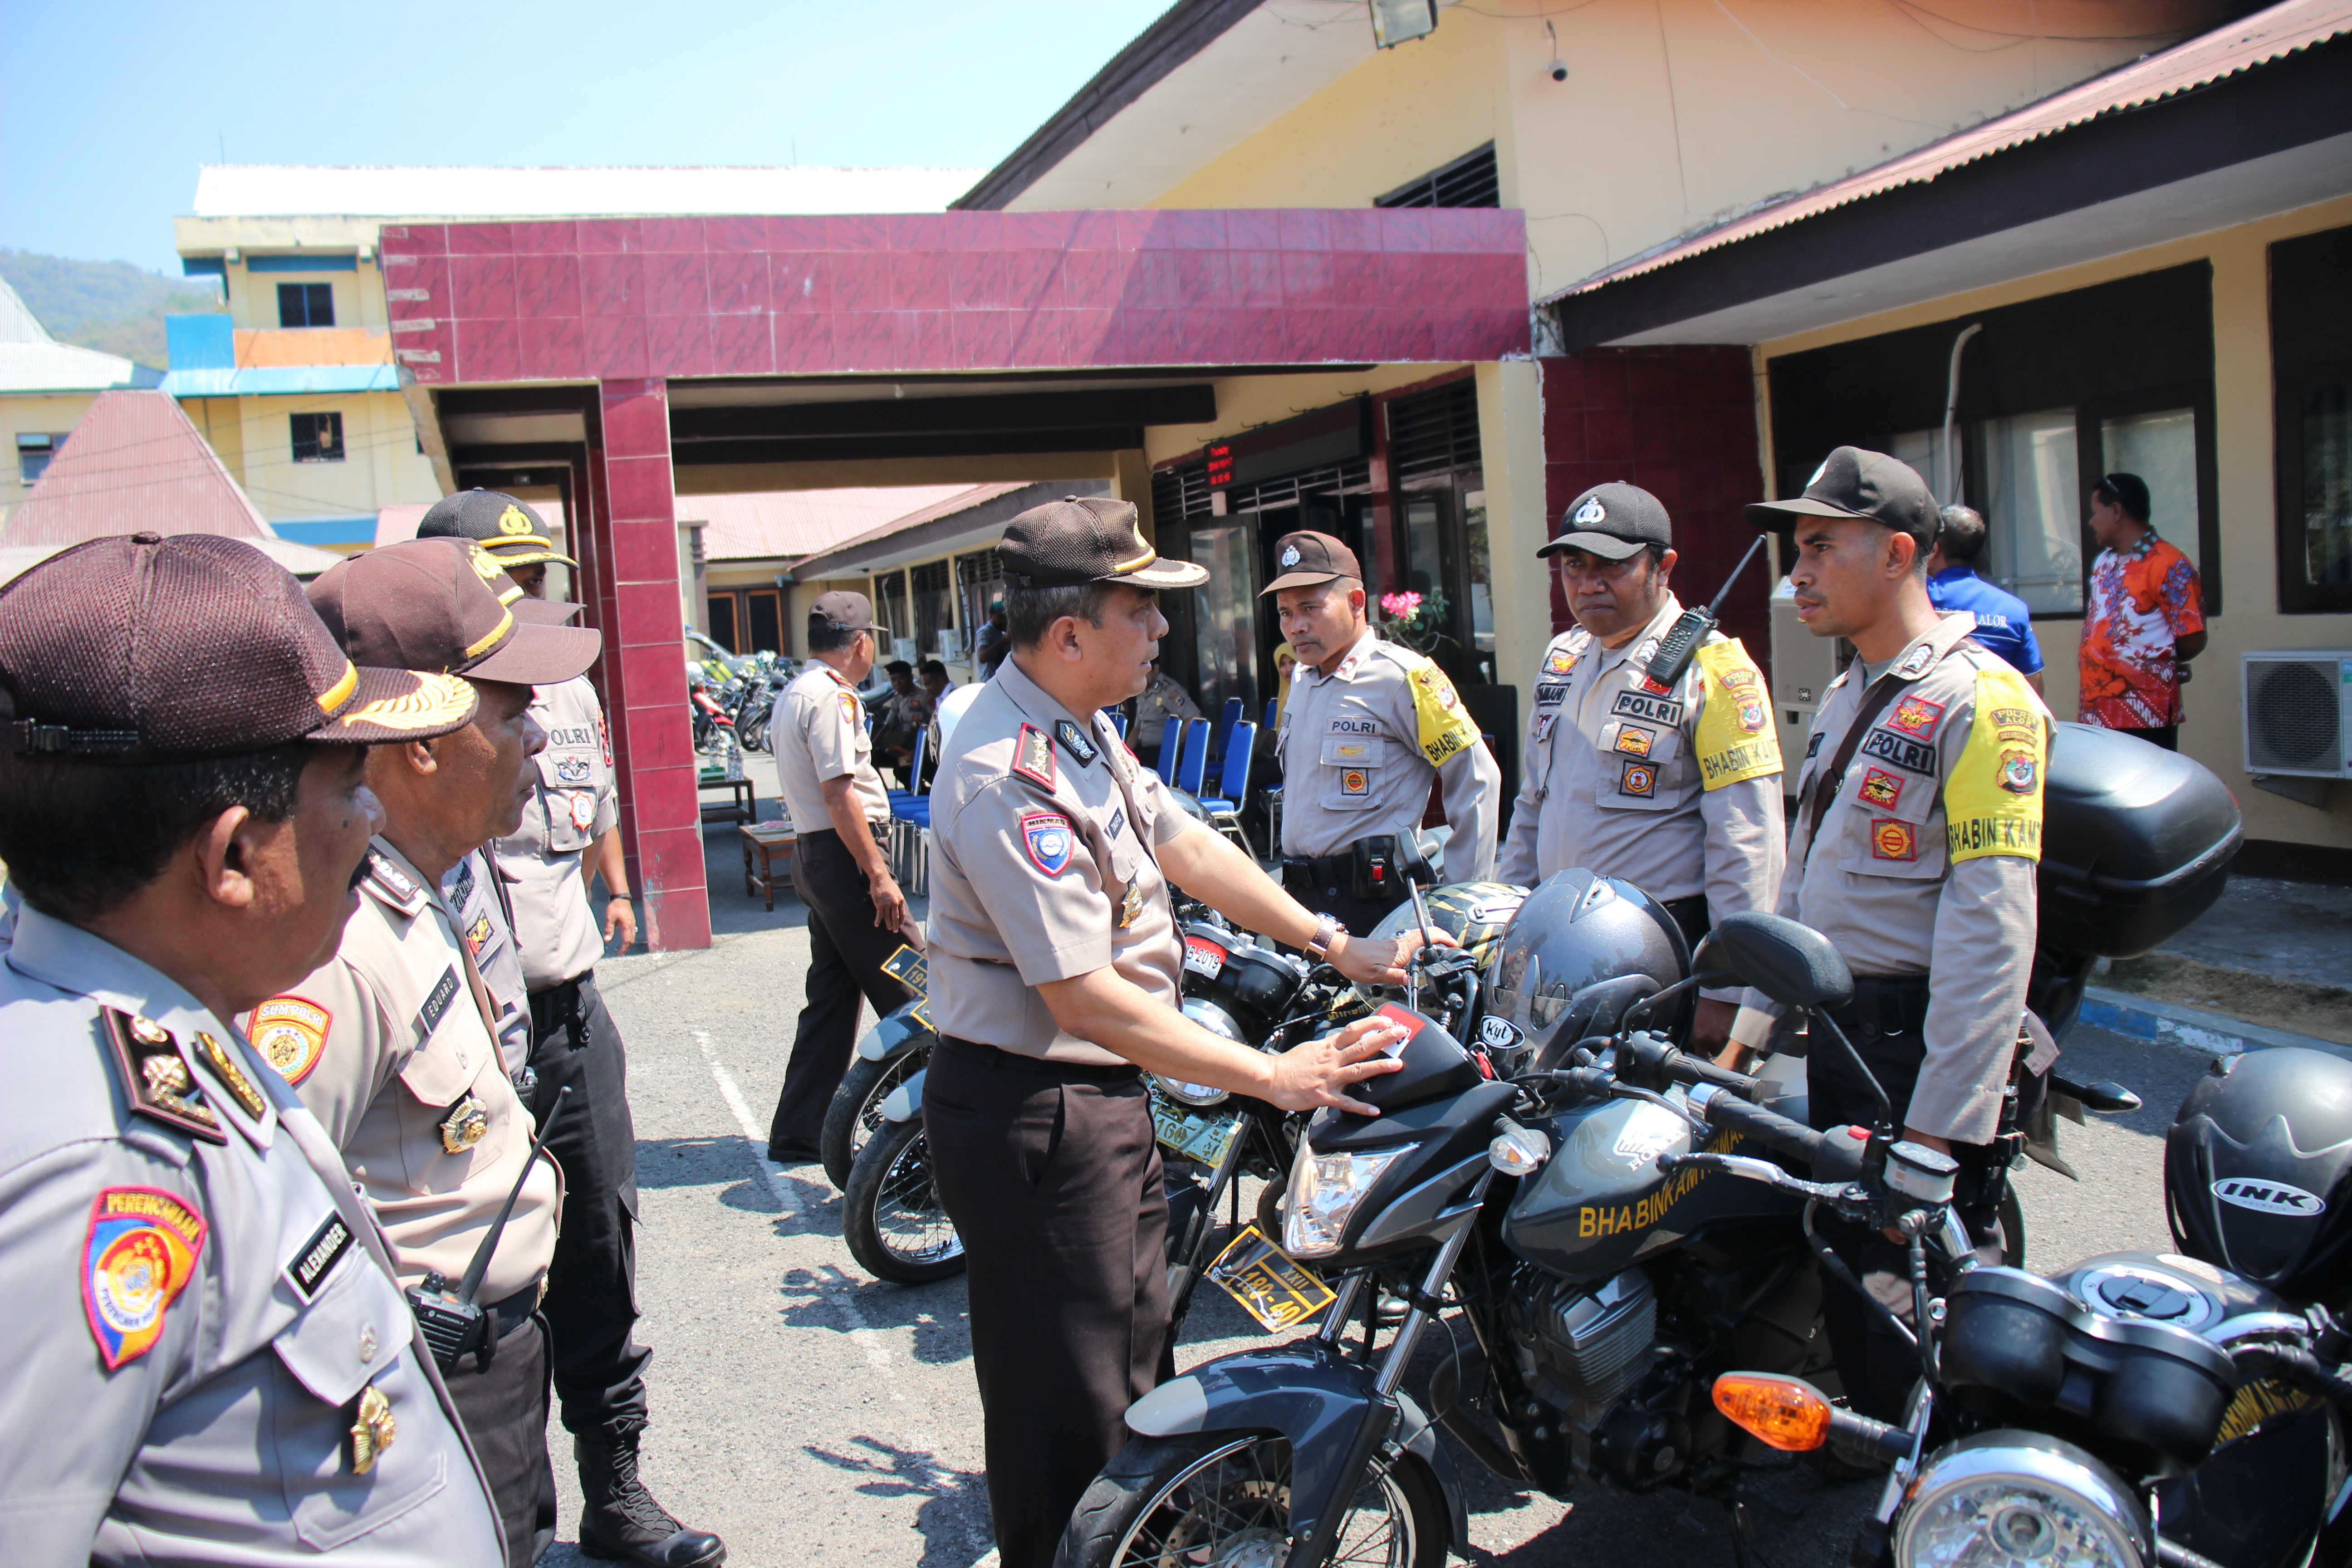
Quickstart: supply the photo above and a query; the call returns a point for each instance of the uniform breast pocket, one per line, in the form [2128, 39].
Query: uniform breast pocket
[449, 1126]
[1628, 780]
[353, 1338]
[1353, 766]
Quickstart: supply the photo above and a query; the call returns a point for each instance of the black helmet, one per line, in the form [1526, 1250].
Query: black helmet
[2258, 1171]
[1474, 914]
[1581, 950]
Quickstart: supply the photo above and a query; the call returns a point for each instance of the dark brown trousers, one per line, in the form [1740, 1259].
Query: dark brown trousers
[1053, 1179]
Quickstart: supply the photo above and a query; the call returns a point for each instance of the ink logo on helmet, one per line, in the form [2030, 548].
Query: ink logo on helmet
[1498, 1034]
[1290, 556]
[2270, 1197]
[1048, 838]
[1590, 513]
[512, 521]
[2018, 772]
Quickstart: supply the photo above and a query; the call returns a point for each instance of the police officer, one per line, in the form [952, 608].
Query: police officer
[540, 890]
[1918, 830]
[1368, 725]
[841, 817]
[1675, 788]
[1054, 977]
[394, 1042]
[208, 1356]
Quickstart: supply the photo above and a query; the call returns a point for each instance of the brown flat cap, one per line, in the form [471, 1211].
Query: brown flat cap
[1088, 539]
[507, 527]
[850, 611]
[1308, 558]
[427, 604]
[140, 648]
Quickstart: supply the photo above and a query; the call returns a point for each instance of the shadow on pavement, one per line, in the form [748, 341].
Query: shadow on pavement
[953, 1522]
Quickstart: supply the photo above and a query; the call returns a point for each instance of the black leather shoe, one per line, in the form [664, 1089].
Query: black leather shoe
[620, 1520]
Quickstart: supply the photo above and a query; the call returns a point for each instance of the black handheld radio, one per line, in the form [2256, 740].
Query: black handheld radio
[453, 1322]
[1682, 639]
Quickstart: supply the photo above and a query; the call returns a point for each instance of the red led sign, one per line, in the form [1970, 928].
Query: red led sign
[1221, 466]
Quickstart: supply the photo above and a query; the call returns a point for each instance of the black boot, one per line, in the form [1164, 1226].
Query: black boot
[620, 1519]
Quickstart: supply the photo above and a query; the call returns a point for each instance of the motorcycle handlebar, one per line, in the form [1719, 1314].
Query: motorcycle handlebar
[1833, 1158]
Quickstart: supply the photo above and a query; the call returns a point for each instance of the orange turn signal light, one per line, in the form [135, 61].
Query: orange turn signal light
[1785, 1412]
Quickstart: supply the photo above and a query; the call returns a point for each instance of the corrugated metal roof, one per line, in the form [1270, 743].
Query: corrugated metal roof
[32, 360]
[134, 462]
[2267, 36]
[789, 524]
[265, 190]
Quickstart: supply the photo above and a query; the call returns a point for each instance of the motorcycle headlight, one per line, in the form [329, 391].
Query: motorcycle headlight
[1218, 1022]
[2017, 1499]
[1324, 1193]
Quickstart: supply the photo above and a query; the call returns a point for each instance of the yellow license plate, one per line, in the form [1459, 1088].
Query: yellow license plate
[909, 969]
[1202, 1135]
[1280, 1294]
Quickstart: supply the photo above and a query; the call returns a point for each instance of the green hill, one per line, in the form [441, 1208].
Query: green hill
[108, 305]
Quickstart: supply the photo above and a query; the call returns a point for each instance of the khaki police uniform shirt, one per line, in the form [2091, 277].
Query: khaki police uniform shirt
[476, 892]
[1925, 860]
[1043, 868]
[575, 802]
[385, 1043]
[1676, 791]
[1359, 746]
[818, 729]
[191, 1318]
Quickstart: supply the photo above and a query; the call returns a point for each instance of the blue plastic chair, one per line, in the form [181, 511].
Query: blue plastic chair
[1273, 713]
[1226, 722]
[909, 805]
[1192, 768]
[1171, 748]
[1224, 808]
[1117, 721]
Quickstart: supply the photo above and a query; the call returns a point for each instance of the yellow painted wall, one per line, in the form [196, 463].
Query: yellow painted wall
[253, 295]
[48, 414]
[255, 439]
[2249, 618]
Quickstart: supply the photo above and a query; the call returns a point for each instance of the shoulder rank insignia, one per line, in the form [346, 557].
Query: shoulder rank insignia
[393, 884]
[1915, 663]
[463, 1127]
[224, 1066]
[154, 1078]
[139, 1254]
[1033, 755]
[1074, 740]
[290, 1033]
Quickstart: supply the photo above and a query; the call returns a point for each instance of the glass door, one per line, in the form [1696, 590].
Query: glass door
[1224, 617]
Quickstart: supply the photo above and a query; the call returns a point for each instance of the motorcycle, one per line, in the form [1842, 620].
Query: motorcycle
[714, 727]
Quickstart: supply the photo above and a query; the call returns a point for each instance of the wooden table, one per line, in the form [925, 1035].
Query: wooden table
[741, 805]
[765, 844]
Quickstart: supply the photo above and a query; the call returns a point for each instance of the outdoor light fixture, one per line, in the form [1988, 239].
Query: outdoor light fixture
[1558, 69]
[1398, 22]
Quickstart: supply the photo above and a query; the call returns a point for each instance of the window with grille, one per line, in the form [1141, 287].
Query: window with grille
[979, 580]
[33, 451]
[890, 597]
[317, 438]
[1470, 181]
[306, 304]
[1434, 432]
[1338, 479]
[1180, 493]
[934, 607]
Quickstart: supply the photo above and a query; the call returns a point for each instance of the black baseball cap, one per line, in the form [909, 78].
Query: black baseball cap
[423, 604]
[140, 649]
[852, 611]
[508, 529]
[1088, 538]
[1308, 558]
[1854, 482]
[1614, 522]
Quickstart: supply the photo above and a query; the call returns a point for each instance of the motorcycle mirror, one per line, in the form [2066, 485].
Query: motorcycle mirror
[1712, 966]
[1413, 849]
[1794, 964]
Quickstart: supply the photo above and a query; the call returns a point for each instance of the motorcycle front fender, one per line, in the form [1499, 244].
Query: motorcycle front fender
[1310, 1394]
[905, 1102]
[894, 1036]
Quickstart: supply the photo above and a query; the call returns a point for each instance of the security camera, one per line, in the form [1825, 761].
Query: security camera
[1559, 70]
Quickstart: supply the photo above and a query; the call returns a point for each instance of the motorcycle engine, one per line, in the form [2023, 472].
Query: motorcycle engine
[1581, 1349]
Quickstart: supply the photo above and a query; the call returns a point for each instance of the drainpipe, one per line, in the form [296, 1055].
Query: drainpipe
[1951, 407]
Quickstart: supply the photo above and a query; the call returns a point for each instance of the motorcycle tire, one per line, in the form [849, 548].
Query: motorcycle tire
[751, 727]
[856, 1110]
[1223, 1496]
[891, 1216]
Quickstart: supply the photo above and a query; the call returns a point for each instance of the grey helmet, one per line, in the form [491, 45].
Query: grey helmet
[1582, 949]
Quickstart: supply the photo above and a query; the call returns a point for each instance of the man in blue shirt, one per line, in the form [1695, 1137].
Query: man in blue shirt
[2004, 626]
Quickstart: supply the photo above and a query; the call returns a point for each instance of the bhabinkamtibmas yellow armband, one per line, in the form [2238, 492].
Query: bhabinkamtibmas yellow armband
[1736, 739]
[1992, 801]
[1446, 729]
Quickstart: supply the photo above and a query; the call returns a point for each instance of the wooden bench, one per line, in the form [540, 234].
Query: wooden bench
[765, 844]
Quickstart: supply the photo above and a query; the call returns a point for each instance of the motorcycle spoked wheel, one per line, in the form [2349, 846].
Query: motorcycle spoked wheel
[751, 729]
[855, 1111]
[1213, 1501]
[891, 1216]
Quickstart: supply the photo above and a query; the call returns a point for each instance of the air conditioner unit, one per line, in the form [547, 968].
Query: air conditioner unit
[952, 645]
[2298, 713]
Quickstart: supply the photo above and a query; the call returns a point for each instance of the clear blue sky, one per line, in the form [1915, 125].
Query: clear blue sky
[110, 108]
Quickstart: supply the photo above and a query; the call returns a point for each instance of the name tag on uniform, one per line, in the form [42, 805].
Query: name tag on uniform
[309, 1267]
[437, 1002]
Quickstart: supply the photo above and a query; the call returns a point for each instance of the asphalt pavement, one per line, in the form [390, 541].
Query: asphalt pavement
[815, 1416]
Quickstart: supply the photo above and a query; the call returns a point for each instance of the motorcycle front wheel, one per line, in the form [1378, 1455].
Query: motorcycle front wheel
[857, 1110]
[751, 727]
[1217, 1500]
[892, 1217]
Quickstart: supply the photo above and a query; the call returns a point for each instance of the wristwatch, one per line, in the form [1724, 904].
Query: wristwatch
[1327, 930]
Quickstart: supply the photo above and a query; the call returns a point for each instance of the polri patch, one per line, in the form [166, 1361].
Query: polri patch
[1074, 740]
[1914, 716]
[476, 934]
[1033, 755]
[1550, 693]
[1893, 840]
[1634, 741]
[290, 1033]
[309, 1267]
[1648, 707]
[437, 1002]
[1914, 756]
[850, 713]
[154, 1080]
[1638, 779]
[1354, 782]
[1559, 661]
[1882, 788]
[1046, 835]
[139, 1254]
[572, 770]
[2020, 770]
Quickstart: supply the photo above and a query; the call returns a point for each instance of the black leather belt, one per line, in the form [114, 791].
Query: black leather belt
[1884, 1005]
[996, 1059]
[512, 1311]
[1318, 870]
